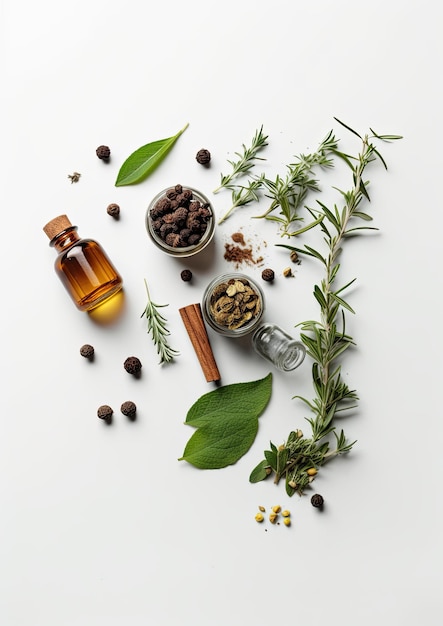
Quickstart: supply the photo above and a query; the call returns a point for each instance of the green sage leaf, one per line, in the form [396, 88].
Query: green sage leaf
[144, 160]
[227, 423]
[259, 472]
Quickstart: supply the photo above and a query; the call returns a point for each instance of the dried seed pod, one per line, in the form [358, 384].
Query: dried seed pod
[74, 177]
[317, 500]
[129, 409]
[203, 157]
[294, 257]
[87, 351]
[105, 412]
[133, 365]
[186, 275]
[113, 210]
[103, 153]
[268, 275]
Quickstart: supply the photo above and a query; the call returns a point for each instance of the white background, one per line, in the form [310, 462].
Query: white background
[102, 525]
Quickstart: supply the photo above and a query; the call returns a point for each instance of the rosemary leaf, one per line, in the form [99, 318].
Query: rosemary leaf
[246, 160]
[288, 193]
[325, 340]
[158, 330]
[241, 196]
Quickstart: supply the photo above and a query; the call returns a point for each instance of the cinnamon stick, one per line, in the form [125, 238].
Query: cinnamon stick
[194, 324]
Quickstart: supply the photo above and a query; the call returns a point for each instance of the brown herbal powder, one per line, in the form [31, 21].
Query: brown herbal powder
[242, 253]
[238, 238]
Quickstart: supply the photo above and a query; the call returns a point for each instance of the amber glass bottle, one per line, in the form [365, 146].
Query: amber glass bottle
[82, 265]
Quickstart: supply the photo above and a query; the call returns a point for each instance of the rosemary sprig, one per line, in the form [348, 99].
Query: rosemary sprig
[298, 460]
[242, 195]
[289, 192]
[246, 160]
[158, 330]
[286, 192]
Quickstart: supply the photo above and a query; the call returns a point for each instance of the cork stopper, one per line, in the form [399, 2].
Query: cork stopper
[56, 226]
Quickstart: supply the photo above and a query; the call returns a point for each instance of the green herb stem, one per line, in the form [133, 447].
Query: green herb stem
[242, 196]
[158, 330]
[326, 340]
[246, 159]
[288, 193]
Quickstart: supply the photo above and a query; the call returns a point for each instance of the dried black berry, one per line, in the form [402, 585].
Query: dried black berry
[179, 219]
[186, 275]
[87, 351]
[133, 365]
[105, 412]
[129, 409]
[203, 157]
[103, 152]
[317, 500]
[268, 275]
[113, 210]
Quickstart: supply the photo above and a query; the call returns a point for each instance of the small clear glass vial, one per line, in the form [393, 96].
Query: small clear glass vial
[275, 345]
[82, 265]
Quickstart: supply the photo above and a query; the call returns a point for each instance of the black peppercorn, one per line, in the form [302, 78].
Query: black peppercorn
[133, 365]
[103, 152]
[129, 409]
[203, 157]
[317, 500]
[186, 275]
[87, 351]
[105, 412]
[113, 210]
[268, 275]
[179, 219]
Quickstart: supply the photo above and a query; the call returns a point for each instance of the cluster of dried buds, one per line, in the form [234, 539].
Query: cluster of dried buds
[234, 303]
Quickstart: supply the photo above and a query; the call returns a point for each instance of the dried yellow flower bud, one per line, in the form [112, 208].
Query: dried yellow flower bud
[311, 471]
[286, 513]
[261, 508]
[273, 518]
[287, 521]
[259, 517]
[276, 508]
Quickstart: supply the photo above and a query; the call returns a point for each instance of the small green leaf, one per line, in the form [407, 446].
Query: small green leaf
[259, 472]
[342, 302]
[144, 160]
[227, 422]
[271, 458]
